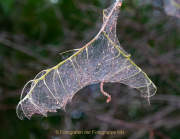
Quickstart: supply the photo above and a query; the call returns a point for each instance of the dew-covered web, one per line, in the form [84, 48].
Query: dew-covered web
[101, 60]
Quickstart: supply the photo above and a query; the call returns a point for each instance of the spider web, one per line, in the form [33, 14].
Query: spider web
[101, 60]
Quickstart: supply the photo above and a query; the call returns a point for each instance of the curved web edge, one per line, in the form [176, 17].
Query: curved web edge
[47, 92]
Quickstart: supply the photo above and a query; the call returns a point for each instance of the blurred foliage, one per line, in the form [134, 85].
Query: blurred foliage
[33, 33]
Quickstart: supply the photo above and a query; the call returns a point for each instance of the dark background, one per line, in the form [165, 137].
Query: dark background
[33, 33]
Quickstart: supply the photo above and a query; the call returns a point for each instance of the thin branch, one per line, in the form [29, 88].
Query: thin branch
[106, 94]
[24, 50]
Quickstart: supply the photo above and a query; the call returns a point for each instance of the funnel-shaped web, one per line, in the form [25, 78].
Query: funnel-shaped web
[101, 60]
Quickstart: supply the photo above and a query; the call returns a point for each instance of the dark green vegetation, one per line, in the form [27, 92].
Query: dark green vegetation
[33, 33]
